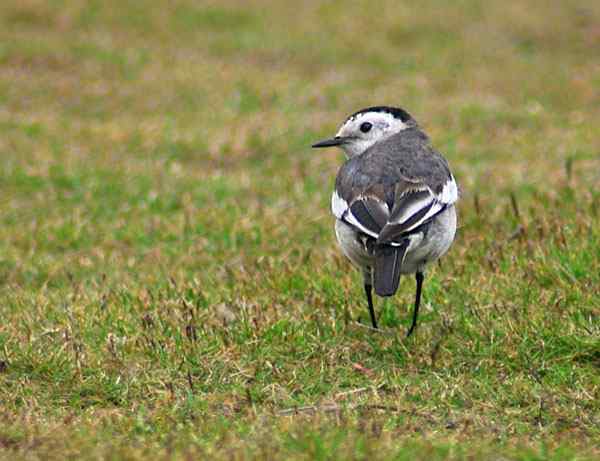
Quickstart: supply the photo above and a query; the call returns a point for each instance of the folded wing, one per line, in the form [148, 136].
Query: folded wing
[414, 204]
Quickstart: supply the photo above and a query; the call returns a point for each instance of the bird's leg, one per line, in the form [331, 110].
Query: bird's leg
[367, 273]
[368, 292]
[419, 276]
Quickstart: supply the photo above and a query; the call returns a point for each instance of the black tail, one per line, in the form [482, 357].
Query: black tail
[388, 262]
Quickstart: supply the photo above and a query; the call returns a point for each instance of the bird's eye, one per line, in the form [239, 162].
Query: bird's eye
[366, 127]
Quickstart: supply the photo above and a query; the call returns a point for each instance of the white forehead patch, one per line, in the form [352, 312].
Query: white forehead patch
[383, 122]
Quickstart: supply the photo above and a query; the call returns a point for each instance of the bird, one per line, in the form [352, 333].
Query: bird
[393, 202]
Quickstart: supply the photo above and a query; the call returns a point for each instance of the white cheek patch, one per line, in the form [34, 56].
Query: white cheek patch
[384, 126]
[357, 147]
[397, 125]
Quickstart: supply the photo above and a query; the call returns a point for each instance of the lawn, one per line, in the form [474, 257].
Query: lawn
[170, 286]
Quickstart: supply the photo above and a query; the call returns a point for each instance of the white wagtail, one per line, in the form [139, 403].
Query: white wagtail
[394, 200]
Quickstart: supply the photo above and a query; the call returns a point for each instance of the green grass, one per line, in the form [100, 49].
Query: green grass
[169, 282]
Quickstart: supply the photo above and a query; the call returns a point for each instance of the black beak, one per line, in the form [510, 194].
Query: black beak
[337, 141]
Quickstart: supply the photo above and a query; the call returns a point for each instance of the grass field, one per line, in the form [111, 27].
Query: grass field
[170, 286]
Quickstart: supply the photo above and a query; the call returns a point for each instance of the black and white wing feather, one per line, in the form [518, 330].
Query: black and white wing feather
[412, 207]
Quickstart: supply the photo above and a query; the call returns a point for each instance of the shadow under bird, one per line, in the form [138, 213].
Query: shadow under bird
[393, 201]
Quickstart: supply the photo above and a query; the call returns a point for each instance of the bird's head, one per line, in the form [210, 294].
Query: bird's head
[368, 126]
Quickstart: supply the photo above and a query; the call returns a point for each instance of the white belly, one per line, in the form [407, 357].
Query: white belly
[351, 246]
[427, 248]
